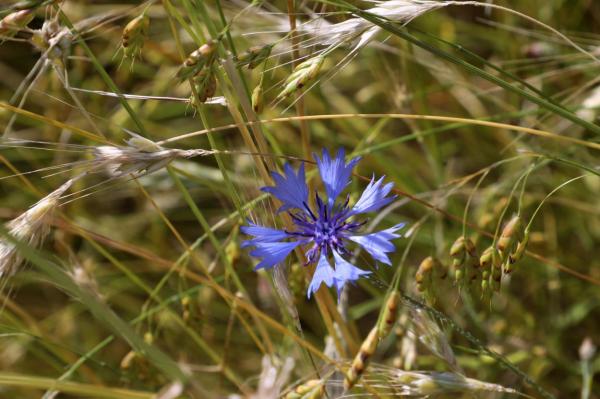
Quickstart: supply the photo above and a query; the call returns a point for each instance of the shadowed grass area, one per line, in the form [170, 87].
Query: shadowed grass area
[136, 138]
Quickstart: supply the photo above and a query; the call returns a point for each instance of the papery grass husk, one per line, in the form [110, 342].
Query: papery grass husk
[140, 156]
[393, 382]
[31, 228]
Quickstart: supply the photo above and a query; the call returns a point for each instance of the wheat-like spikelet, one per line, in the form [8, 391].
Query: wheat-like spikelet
[396, 382]
[361, 361]
[358, 32]
[30, 228]
[140, 156]
[311, 389]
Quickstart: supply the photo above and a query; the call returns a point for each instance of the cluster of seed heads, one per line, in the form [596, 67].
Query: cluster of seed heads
[469, 267]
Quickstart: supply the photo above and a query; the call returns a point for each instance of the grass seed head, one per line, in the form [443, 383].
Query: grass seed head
[302, 74]
[197, 60]
[361, 361]
[490, 262]
[390, 314]
[30, 228]
[518, 253]
[255, 56]
[424, 275]
[11, 24]
[472, 262]
[458, 250]
[312, 389]
[428, 383]
[134, 35]
[206, 84]
[512, 232]
[462, 249]
[139, 157]
[257, 98]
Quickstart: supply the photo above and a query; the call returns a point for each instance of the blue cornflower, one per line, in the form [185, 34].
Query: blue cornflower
[327, 230]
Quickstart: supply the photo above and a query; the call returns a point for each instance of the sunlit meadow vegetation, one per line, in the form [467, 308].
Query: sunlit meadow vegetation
[138, 137]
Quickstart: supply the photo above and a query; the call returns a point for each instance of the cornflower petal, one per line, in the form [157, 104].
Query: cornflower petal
[335, 173]
[324, 273]
[291, 189]
[378, 244]
[374, 197]
[345, 272]
[262, 234]
[273, 252]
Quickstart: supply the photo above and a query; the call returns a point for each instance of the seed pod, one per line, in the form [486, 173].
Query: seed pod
[512, 232]
[197, 60]
[518, 252]
[304, 73]
[255, 56]
[361, 361]
[14, 22]
[134, 34]
[311, 389]
[206, 84]
[390, 314]
[257, 97]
